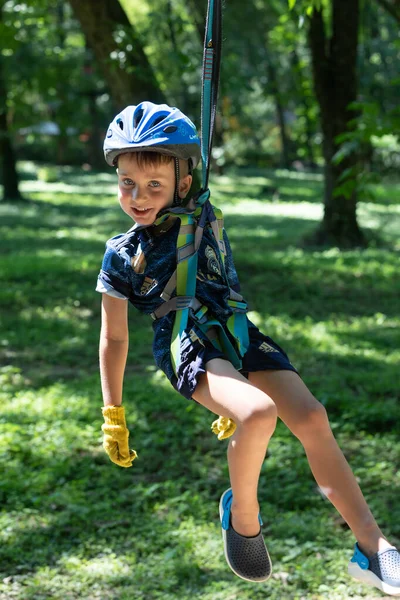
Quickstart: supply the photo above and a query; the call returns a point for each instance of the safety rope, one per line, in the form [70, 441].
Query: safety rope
[210, 83]
[195, 217]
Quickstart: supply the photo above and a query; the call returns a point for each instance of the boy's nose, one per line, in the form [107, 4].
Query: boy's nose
[137, 193]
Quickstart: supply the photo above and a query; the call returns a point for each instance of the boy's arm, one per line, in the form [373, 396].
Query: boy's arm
[113, 352]
[114, 343]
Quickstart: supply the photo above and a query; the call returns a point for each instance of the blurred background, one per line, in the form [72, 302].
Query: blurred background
[306, 170]
[300, 88]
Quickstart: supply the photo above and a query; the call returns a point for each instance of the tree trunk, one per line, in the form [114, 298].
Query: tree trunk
[280, 114]
[305, 101]
[335, 82]
[118, 51]
[96, 156]
[9, 176]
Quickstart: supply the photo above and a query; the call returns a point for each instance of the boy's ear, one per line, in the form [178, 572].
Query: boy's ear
[184, 186]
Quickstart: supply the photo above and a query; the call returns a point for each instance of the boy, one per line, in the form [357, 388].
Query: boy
[155, 149]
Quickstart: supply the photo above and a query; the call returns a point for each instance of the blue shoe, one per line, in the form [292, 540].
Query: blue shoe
[382, 570]
[247, 556]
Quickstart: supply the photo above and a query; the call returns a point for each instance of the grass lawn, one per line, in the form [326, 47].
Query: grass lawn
[75, 526]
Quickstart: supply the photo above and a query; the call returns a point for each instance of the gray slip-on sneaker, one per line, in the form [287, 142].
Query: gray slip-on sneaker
[247, 556]
[382, 570]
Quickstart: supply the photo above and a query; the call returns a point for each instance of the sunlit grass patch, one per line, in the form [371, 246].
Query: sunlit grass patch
[267, 186]
[302, 210]
[67, 182]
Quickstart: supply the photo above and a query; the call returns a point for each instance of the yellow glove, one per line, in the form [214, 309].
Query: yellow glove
[223, 427]
[116, 434]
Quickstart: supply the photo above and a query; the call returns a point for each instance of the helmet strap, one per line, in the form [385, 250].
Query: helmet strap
[177, 178]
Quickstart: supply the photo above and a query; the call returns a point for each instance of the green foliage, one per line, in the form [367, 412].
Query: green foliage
[72, 525]
[51, 77]
[371, 138]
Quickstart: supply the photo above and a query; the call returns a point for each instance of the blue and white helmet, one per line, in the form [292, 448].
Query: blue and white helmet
[152, 127]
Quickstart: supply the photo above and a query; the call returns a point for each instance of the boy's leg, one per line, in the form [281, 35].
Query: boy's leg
[224, 391]
[307, 419]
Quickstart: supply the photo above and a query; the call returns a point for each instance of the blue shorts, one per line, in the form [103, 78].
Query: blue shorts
[196, 350]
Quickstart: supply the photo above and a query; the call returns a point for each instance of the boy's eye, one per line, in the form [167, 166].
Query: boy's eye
[128, 181]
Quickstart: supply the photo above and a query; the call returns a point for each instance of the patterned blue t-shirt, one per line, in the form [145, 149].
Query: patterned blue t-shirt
[138, 264]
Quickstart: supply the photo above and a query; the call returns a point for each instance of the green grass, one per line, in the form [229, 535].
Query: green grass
[75, 526]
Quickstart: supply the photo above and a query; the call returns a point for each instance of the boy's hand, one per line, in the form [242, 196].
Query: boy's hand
[223, 427]
[116, 434]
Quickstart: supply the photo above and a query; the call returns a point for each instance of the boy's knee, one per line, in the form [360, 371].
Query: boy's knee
[262, 413]
[314, 419]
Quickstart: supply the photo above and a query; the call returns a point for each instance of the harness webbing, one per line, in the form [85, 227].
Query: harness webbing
[195, 217]
[184, 279]
[186, 272]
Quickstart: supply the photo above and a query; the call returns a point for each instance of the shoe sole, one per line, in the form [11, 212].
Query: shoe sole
[221, 512]
[368, 577]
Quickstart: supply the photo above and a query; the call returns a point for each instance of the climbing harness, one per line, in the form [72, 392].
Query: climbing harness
[183, 280]
[194, 217]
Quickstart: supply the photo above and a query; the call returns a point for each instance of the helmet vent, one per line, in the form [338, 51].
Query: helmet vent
[170, 129]
[137, 117]
[120, 123]
[158, 120]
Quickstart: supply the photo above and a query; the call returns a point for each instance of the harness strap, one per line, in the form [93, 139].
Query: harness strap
[235, 295]
[185, 251]
[187, 229]
[176, 303]
[186, 272]
[169, 288]
[185, 303]
[189, 249]
[235, 301]
[215, 332]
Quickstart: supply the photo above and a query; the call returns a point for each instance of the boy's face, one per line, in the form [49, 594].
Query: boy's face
[144, 191]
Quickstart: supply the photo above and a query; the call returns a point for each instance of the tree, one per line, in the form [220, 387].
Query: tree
[251, 59]
[274, 89]
[118, 51]
[334, 61]
[7, 156]
[306, 103]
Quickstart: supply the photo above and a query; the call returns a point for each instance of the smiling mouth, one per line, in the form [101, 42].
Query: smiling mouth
[141, 211]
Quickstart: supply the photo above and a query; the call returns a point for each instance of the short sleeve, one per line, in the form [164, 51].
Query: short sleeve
[114, 278]
[231, 273]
